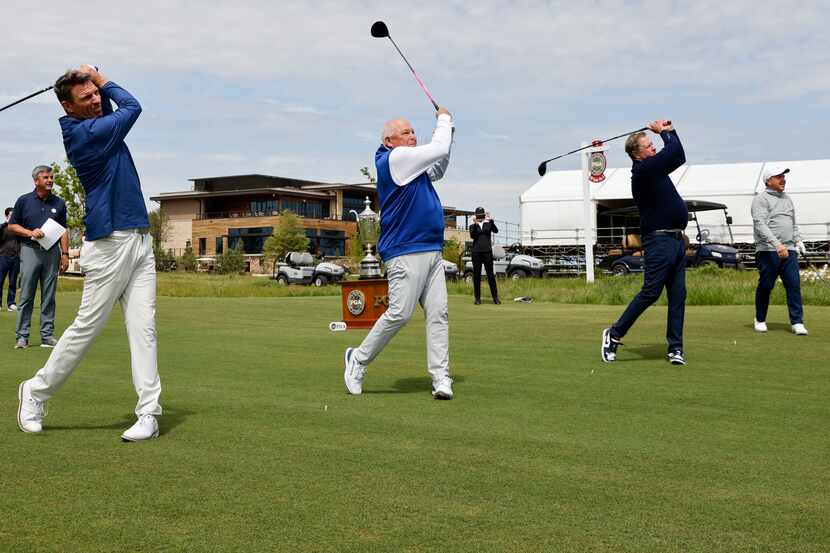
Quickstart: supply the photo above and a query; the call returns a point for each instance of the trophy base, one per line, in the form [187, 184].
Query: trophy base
[363, 302]
[369, 269]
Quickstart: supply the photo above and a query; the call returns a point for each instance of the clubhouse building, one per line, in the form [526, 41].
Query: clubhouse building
[222, 212]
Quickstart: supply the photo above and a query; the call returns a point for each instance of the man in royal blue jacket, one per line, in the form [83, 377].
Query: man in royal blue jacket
[411, 245]
[117, 254]
[663, 217]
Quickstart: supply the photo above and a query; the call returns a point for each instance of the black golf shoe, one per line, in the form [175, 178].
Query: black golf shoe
[676, 357]
[609, 346]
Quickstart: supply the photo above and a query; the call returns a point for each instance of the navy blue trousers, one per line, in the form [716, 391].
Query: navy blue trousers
[9, 266]
[665, 266]
[770, 267]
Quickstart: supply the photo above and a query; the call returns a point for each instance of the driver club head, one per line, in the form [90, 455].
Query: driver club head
[379, 30]
[543, 168]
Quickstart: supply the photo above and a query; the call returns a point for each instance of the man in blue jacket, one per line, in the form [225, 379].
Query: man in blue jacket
[411, 245]
[663, 217]
[117, 254]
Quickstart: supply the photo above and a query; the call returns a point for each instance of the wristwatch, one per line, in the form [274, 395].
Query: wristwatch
[65, 253]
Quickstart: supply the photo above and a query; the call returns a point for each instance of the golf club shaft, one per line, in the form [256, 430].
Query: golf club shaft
[592, 145]
[542, 166]
[27, 97]
[417, 78]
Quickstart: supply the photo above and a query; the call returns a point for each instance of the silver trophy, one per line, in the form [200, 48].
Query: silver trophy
[367, 228]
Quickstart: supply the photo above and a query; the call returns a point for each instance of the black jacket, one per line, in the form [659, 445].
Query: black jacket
[9, 243]
[481, 236]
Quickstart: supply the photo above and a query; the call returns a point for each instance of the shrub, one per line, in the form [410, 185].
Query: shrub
[452, 252]
[165, 260]
[187, 261]
[231, 261]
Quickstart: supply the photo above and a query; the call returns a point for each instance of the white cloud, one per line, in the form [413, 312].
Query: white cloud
[225, 85]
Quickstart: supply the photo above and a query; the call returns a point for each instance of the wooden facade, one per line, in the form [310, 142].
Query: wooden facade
[220, 212]
[211, 229]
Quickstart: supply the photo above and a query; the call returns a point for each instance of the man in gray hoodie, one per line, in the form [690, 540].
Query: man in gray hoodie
[777, 245]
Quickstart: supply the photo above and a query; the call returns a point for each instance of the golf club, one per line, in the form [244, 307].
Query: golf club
[380, 30]
[32, 95]
[543, 167]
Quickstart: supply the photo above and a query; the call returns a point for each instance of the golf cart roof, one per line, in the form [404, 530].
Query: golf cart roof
[692, 205]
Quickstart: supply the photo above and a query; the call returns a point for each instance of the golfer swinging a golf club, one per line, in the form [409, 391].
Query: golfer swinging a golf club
[411, 244]
[663, 218]
[117, 254]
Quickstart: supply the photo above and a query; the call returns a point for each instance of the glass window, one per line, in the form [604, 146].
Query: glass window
[202, 246]
[219, 245]
[311, 234]
[252, 238]
[332, 242]
[314, 209]
[263, 207]
[352, 202]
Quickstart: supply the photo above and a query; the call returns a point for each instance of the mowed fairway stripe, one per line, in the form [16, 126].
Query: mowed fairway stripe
[544, 448]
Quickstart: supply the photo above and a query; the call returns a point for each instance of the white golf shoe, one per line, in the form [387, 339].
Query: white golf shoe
[760, 326]
[800, 330]
[353, 373]
[144, 428]
[30, 412]
[442, 388]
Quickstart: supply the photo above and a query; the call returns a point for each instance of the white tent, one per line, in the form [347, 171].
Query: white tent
[551, 210]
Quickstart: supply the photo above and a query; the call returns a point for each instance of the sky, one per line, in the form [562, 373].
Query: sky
[301, 89]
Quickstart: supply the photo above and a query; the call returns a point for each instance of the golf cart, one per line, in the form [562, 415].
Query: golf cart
[299, 268]
[702, 252]
[510, 265]
[450, 270]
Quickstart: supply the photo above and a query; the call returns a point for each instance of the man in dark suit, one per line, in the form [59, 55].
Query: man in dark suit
[480, 232]
[9, 261]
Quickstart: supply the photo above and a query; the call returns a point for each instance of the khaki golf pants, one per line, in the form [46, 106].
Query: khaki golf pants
[120, 267]
[413, 279]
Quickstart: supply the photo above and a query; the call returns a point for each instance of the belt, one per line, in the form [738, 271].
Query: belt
[34, 245]
[676, 233]
[137, 230]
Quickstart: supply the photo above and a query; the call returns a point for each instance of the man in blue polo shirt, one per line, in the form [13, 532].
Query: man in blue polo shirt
[663, 217]
[117, 254]
[411, 244]
[37, 265]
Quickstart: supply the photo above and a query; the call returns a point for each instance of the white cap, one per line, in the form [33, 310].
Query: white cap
[773, 171]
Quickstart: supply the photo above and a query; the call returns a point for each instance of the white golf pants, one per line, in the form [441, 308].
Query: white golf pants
[120, 267]
[413, 279]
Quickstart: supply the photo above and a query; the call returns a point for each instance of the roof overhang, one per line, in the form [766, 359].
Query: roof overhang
[194, 195]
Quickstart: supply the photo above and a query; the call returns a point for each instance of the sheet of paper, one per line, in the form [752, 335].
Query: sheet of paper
[52, 233]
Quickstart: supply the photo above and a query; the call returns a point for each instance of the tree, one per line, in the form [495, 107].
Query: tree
[452, 252]
[71, 191]
[231, 261]
[289, 236]
[187, 261]
[368, 174]
[159, 226]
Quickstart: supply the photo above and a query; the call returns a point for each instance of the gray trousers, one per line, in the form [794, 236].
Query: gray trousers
[37, 267]
[413, 279]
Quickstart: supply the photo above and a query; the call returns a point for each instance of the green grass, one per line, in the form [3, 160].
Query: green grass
[705, 286]
[544, 449]
[708, 286]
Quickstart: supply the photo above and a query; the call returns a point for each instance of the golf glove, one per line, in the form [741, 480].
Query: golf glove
[801, 248]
